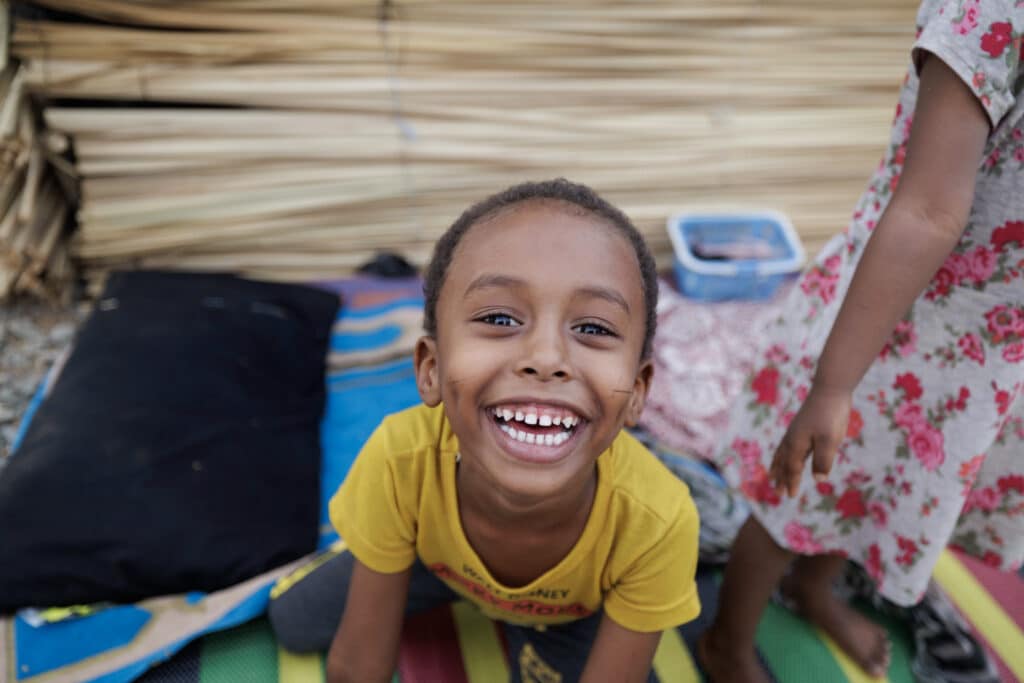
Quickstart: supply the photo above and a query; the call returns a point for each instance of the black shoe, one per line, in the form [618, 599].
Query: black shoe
[945, 649]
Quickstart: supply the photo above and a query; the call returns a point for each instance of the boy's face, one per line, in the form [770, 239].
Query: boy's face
[540, 325]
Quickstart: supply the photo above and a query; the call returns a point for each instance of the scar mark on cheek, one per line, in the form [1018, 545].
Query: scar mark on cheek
[628, 390]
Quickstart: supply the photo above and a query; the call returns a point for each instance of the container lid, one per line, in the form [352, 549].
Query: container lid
[750, 242]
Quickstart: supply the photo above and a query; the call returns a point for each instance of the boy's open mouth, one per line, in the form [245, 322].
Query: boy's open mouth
[536, 424]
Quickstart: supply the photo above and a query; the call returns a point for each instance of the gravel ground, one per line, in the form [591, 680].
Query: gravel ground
[32, 336]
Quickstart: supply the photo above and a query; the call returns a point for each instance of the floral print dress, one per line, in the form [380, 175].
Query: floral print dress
[934, 453]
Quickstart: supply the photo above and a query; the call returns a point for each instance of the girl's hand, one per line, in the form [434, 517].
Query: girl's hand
[816, 431]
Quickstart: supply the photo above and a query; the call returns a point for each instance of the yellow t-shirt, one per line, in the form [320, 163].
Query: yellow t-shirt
[637, 555]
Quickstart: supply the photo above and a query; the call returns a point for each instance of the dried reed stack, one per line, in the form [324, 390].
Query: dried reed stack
[35, 197]
[331, 129]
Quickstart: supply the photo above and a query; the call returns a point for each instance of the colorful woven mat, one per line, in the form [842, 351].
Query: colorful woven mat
[458, 645]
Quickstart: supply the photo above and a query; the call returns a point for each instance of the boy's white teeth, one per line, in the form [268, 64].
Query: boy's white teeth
[530, 437]
[532, 417]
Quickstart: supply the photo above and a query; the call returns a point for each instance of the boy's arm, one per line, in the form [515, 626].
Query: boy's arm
[620, 655]
[365, 648]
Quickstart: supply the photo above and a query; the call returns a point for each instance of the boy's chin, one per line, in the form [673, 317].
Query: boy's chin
[537, 485]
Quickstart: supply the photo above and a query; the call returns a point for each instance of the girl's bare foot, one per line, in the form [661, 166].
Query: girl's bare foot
[864, 641]
[724, 664]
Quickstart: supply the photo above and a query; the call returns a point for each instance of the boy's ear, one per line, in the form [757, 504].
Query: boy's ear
[424, 359]
[638, 398]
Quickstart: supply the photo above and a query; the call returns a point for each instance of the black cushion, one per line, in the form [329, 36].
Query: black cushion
[179, 447]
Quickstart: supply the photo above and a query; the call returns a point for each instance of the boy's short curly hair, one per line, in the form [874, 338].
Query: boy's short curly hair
[560, 190]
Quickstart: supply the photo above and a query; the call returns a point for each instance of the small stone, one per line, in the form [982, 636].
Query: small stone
[61, 333]
[7, 415]
[25, 330]
[14, 358]
[28, 386]
[46, 358]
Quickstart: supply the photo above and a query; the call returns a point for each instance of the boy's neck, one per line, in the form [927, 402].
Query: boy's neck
[519, 540]
[491, 504]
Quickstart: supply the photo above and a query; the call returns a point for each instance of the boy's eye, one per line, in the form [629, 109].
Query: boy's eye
[594, 328]
[499, 319]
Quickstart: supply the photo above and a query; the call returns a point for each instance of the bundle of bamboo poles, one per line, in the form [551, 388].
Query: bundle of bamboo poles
[36, 189]
[292, 139]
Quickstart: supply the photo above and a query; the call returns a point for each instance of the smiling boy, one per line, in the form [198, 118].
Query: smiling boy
[514, 484]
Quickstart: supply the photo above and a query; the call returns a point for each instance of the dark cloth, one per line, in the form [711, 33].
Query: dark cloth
[387, 265]
[306, 616]
[179, 448]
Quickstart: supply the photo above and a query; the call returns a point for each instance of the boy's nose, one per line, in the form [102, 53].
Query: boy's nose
[544, 356]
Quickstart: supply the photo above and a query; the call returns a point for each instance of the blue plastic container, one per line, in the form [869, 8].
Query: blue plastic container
[745, 255]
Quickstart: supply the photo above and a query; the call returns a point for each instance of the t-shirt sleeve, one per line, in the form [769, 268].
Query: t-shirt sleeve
[376, 522]
[659, 590]
[981, 43]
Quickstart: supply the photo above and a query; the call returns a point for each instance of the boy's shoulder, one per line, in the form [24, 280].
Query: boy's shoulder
[414, 430]
[643, 481]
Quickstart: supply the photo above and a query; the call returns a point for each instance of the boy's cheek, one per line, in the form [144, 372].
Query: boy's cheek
[467, 366]
[629, 390]
[621, 381]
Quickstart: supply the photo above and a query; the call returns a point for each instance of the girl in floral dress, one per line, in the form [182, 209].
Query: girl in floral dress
[897, 363]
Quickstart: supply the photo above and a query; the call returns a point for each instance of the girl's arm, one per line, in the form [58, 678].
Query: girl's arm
[923, 222]
[365, 648]
[620, 655]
